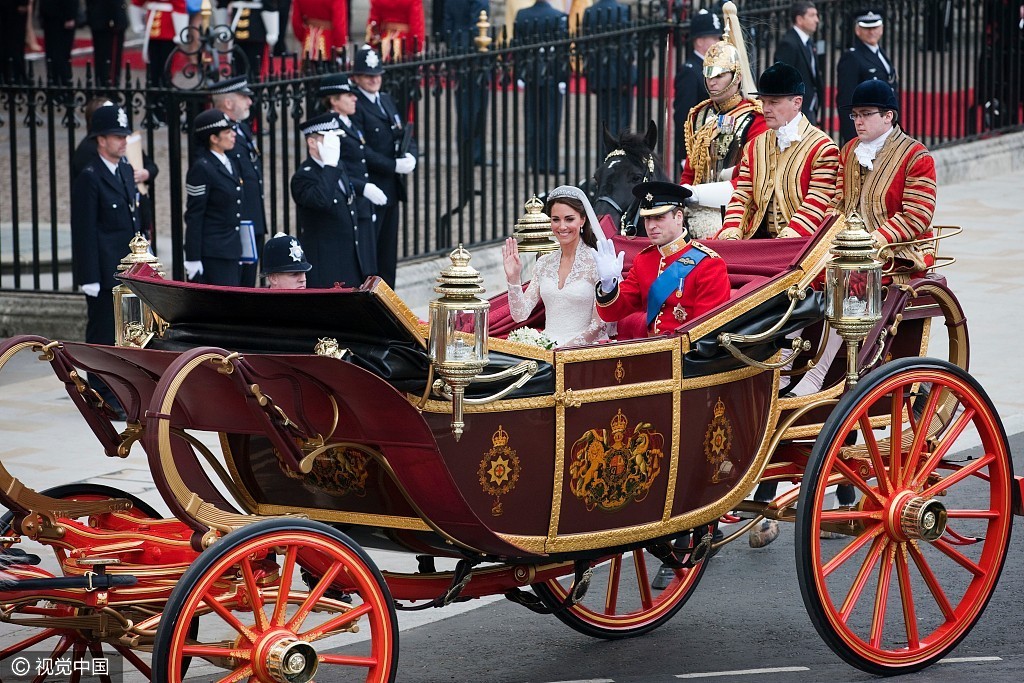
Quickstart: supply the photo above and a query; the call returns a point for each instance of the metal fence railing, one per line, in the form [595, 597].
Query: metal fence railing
[960, 65]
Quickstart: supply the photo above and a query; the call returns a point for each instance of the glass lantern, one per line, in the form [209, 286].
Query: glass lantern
[134, 321]
[458, 330]
[853, 289]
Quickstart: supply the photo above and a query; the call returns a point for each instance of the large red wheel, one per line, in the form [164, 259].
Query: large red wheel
[620, 601]
[918, 556]
[261, 622]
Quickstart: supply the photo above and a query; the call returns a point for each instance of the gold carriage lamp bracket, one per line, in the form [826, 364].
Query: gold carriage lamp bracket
[135, 323]
[730, 342]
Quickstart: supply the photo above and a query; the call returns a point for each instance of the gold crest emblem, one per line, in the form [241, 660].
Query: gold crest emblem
[499, 470]
[620, 372]
[718, 443]
[338, 471]
[607, 473]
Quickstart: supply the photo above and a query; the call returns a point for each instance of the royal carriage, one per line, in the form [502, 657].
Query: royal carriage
[561, 479]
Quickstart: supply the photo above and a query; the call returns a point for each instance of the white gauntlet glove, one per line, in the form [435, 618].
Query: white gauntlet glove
[609, 265]
[562, 88]
[136, 18]
[92, 289]
[375, 194]
[330, 150]
[193, 268]
[272, 22]
[713, 195]
[405, 165]
[179, 20]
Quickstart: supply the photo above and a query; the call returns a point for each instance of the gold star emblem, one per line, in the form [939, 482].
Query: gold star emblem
[499, 470]
[679, 313]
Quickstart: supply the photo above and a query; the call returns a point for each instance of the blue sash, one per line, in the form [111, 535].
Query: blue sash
[671, 279]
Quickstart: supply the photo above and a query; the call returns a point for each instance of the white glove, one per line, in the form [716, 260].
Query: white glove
[272, 22]
[405, 165]
[375, 194]
[193, 268]
[609, 265]
[92, 289]
[729, 234]
[180, 22]
[521, 84]
[136, 18]
[562, 88]
[330, 150]
[726, 173]
[714, 195]
[788, 232]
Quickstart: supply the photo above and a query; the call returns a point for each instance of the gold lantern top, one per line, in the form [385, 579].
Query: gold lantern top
[533, 229]
[135, 323]
[459, 281]
[138, 252]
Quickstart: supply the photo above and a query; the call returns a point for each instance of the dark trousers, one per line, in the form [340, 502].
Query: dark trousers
[99, 329]
[387, 241]
[107, 50]
[12, 48]
[58, 50]
[254, 55]
[543, 116]
[613, 108]
[471, 100]
[285, 8]
[221, 271]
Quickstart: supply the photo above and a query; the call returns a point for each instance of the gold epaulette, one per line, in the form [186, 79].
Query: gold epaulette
[706, 249]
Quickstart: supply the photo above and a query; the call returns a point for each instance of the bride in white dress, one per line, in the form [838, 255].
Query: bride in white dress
[564, 279]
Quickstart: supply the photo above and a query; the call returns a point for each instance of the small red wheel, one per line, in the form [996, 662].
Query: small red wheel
[261, 622]
[621, 601]
[915, 560]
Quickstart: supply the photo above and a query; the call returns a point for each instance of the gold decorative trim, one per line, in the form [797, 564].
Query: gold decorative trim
[599, 394]
[740, 307]
[362, 518]
[673, 461]
[620, 372]
[229, 462]
[618, 349]
[445, 407]
[530, 544]
[522, 350]
[728, 377]
[402, 312]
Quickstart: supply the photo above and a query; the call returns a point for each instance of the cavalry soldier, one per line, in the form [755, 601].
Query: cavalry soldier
[865, 61]
[715, 132]
[213, 207]
[326, 215]
[256, 24]
[284, 263]
[786, 176]
[378, 118]
[234, 98]
[673, 279]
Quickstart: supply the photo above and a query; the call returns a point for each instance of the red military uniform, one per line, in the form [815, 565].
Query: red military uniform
[896, 197]
[320, 26]
[708, 147]
[395, 22]
[780, 189]
[706, 286]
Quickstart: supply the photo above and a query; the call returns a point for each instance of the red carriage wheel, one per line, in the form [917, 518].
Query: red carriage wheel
[916, 559]
[261, 622]
[621, 601]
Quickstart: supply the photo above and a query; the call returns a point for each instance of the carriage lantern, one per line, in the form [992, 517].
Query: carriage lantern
[533, 229]
[853, 289]
[458, 330]
[134, 321]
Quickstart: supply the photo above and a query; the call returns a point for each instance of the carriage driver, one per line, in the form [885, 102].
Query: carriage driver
[284, 263]
[673, 279]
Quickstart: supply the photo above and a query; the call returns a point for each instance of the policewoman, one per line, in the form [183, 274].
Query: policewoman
[213, 206]
[325, 203]
[672, 280]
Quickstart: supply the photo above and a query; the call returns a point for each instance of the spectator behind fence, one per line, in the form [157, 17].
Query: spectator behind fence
[797, 48]
[107, 21]
[234, 98]
[690, 88]
[321, 27]
[213, 205]
[865, 61]
[472, 91]
[390, 154]
[58, 20]
[14, 18]
[284, 263]
[396, 27]
[257, 25]
[325, 207]
[543, 73]
[104, 218]
[610, 69]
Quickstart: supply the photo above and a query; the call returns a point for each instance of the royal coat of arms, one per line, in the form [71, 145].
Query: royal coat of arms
[499, 470]
[609, 470]
[338, 471]
[718, 444]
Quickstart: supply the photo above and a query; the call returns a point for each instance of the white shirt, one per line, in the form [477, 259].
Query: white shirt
[803, 36]
[111, 166]
[867, 151]
[789, 133]
[878, 53]
[224, 160]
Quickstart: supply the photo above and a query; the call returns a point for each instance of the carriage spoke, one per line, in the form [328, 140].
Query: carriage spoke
[920, 431]
[348, 660]
[224, 651]
[97, 653]
[881, 473]
[238, 674]
[959, 475]
[948, 439]
[336, 623]
[287, 569]
[45, 634]
[972, 514]
[857, 587]
[849, 515]
[859, 482]
[932, 582]
[958, 557]
[229, 618]
[312, 597]
[882, 597]
[896, 438]
[611, 597]
[907, 597]
[255, 597]
[77, 654]
[129, 655]
[847, 552]
[643, 582]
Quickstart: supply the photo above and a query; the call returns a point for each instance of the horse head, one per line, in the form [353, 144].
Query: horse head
[629, 160]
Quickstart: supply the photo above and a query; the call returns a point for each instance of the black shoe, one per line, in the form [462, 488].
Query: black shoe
[665, 576]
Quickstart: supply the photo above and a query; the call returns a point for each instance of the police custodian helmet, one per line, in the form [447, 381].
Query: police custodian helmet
[283, 254]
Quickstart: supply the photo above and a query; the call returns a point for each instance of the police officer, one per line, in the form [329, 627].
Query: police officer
[865, 61]
[378, 117]
[234, 98]
[325, 200]
[284, 263]
[213, 208]
[104, 218]
[107, 21]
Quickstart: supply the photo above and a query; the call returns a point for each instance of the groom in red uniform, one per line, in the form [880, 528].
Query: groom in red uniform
[673, 280]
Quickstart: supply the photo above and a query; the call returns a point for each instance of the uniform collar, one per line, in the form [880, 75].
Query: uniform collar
[675, 246]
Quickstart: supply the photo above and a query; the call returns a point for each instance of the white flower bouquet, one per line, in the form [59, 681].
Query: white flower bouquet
[532, 337]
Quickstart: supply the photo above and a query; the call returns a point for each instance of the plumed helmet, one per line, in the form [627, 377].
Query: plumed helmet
[722, 57]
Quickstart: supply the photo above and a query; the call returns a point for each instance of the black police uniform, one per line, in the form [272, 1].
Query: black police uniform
[856, 65]
[55, 14]
[107, 21]
[610, 72]
[691, 90]
[13, 27]
[213, 216]
[460, 17]
[325, 209]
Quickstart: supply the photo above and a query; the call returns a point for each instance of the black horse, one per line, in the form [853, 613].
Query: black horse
[629, 160]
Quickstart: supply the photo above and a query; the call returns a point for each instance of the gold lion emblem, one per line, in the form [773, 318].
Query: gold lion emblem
[607, 473]
[499, 470]
[718, 443]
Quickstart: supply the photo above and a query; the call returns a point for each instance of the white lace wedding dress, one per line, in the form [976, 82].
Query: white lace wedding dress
[570, 312]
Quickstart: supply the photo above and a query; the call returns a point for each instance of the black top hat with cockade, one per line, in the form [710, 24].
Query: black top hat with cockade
[780, 80]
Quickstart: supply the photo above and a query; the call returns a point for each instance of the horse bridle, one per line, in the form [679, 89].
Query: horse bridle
[628, 227]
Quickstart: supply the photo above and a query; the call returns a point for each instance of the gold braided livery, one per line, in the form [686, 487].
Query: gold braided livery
[701, 131]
